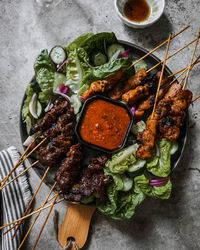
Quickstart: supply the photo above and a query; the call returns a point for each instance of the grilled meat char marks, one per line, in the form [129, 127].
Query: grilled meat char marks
[60, 133]
[168, 118]
[75, 180]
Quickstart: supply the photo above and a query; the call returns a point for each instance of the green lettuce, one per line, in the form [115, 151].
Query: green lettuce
[79, 42]
[44, 61]
[120, 162]
[142, 185]
[160, 165]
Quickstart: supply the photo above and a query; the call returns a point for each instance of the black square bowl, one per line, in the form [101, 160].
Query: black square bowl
[82, 114]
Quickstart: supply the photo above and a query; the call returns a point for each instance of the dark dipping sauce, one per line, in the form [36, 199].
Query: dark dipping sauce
[104, 124]
[136, 10]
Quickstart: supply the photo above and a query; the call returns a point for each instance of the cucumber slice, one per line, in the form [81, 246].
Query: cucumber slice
[35, 107]
[138, 127]
[137, 165]
[127, 183]
[58, 54]
[140, 65]
[112, 49]
[174, 148]
[99, 58]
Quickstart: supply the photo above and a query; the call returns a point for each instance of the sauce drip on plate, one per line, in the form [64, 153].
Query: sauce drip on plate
[104, 124]
[136, 10]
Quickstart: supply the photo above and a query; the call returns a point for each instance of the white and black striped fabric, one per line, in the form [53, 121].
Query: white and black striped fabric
[14, 197]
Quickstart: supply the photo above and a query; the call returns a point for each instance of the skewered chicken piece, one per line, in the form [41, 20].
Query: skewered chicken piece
[134, 95]
[102, 86]
[123, 87]
[175, 99]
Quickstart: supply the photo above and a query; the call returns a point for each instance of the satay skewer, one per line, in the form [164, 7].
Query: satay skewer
[191, 60]
[149, 53]
[45, 221]
[33, 223]
[176, 52]
[29, 205]
[161, 76]
[32, 213]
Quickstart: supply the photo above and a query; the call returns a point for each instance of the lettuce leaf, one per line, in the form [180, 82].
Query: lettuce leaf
[79, 42]
[142, 185]
[100, 41]
[160, 165]
[120, 162]
[44, 61]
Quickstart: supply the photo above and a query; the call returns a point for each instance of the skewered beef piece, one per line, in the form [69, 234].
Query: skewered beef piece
[70, 168]
[54, 151]
[123, 87]
[59, 107]
[92, 181]
[102, 86]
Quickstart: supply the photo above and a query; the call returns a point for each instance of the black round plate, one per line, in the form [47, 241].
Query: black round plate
[151, 60]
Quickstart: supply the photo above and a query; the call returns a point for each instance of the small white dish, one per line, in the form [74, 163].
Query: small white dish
[156, 11]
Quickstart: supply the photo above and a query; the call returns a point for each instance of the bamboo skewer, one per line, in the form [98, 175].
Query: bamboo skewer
[176, 52]
[184, 70]
[32, 213]
[29, 205]
[3, 181]
[161, 76]
[34, 210]
[19, 175]
[149, 53]
[195, 98]
[45, 221]
[46, 200]
[191, 60]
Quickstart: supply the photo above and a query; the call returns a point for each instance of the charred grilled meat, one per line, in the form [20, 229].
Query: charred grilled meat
[59, 107]
[92, 181]
[123, 87]
[102, 86]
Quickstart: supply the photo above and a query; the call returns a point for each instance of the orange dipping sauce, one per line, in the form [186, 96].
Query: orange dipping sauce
[104, 124]
[136, 10]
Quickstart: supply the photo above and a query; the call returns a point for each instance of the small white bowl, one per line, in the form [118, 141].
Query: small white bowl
[156, 11]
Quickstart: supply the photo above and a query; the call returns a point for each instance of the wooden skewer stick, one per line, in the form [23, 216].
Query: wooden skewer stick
[45, 221]
[161, 76]
[33, 223]
[29, 205]
[195, 98]
[191, 60]
[176, 52]
[194, 63]
[3, 181]
[149, 53]
[19, 175]
[34, 212]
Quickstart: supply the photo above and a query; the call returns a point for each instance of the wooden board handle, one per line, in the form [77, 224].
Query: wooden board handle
[76, 224]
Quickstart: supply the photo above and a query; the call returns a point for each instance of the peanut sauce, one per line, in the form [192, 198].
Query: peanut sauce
[136, 10]
[104, 124]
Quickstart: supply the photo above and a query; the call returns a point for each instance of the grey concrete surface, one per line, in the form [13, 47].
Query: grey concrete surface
[27, 27]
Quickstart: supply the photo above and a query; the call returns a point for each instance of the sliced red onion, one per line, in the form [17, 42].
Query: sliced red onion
[48, 107]
[60, 66]
[28, 141]
[82, 99]
[124, 54]
[63, 95]
[158, 182]
[62, 88]
[133, 110]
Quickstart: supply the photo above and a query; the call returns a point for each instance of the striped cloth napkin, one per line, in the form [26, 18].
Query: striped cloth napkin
[14, 197]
